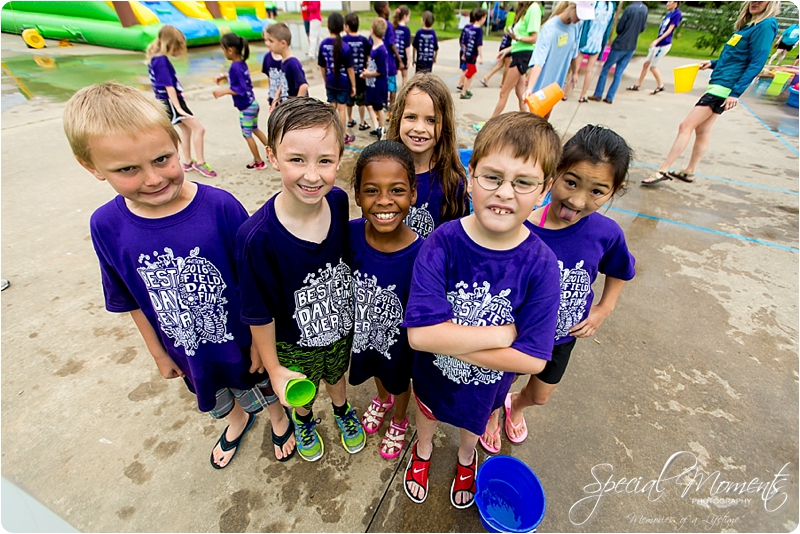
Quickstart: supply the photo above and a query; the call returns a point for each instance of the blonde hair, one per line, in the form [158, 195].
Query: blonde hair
[524, 135]
[111, 109]
[560, 8]
[746, 19]
[445, 159]
[170, 39]
[379, 27]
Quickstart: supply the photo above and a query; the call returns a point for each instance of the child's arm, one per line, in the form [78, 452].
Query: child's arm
[509, 360]
[166, 366]
[414, 57]
[279, 376]
[351, 73]
[598, 313]
[322, 71]
[303, 90]
[480, 55]
[534, 77]
[452, 339]
[222, 92]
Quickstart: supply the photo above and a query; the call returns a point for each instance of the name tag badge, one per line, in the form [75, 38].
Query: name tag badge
[562, 39]
[734, 40]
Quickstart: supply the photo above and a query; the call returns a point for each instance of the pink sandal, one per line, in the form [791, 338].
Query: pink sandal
[509, 423]
[373, 417]
[495, 437]
[394, 440]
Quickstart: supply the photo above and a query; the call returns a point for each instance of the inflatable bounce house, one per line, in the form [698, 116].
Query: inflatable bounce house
[131, 25]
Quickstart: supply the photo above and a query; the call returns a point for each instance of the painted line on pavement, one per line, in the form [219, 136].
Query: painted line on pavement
[767, 126]
[728, 180]
[708, 230]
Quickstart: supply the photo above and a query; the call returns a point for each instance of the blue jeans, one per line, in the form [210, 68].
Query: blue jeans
[621, 59]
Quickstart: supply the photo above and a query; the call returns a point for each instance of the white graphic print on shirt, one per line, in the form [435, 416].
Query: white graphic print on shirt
[324, 307]
[372, 67]
[479, 308]
[420, 220]
[575, 287]
[186, 294]
[378, 315]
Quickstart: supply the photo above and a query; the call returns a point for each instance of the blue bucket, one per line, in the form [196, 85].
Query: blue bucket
[510, 497]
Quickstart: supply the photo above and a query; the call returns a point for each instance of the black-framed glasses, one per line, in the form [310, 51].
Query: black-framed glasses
[522, 186]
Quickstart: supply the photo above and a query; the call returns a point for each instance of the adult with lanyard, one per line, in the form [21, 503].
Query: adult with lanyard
[594, 35]
[523, 36]
[659, 47]
[632, 23]
[785, 43]
[742, 58]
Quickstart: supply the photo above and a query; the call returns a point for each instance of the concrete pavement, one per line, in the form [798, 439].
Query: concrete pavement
[700, 355]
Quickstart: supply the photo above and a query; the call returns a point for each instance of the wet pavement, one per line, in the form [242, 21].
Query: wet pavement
[700, 356]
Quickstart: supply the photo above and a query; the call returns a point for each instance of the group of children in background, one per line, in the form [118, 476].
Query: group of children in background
[421, 290]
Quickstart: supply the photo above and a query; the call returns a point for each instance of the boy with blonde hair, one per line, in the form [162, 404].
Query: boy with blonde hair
[481, 319]
[166, 247]
[292, 259]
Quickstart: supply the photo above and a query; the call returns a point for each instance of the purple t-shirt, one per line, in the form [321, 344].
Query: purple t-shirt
[402, 40]
[471, 39]
[593, 244]
[305, 287]
[359, 45]
[426, 45]
[240, 83]
[457, 280]
[180, 271]
[334, 81]
[272, 68]
[378, 86]
[388, 40]
[426, 213]
[381, 283]
[162, 75]
[672, 17]
[294, 75]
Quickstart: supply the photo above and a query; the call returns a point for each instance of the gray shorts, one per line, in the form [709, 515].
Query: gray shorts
[252, 400]
[655, 54]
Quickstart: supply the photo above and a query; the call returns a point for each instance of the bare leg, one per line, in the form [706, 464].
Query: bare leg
[466, 454]
[341, 110]
[373, 116]
[337, 392]
[185, 147]
[361, 114]
[251, 144]
[506, 63]
[496, 68]
[511, 81]
[520, 90]
[198, 132]
[588, 74]
[280, 423]
[349, 113]
[425, 430]
[645, 67]
[534, 392]
[382, 118]
[237, 420]
[702, 137]
[261, 136]
[697, 116]
[657, 74]
[383, 394]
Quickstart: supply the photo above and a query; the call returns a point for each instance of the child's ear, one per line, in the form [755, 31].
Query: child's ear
[357, 197]
[273, 160]
[89, 167]
[471, 174]
[414, 194]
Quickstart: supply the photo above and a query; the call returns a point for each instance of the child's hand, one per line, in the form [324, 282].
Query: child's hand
[506, 334]
[220, 78]
[256, 365]
[166, 366]
[705, 65]
[589, 326]
[480, 61]
[280, 377]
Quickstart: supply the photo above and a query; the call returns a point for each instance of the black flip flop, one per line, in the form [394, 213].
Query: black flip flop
[683, 176]
[657, 90]
[632, 88]
[226, 445]
[664, 177]
[280, 441]
[351, 124]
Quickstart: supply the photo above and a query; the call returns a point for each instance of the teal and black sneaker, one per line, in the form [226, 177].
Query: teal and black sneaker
[309, 444]
[353, 436]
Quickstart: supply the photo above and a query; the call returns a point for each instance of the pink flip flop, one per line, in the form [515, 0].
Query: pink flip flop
[485, 444]
[510, 423]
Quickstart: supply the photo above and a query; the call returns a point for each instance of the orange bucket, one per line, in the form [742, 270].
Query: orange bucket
[684, 77]
[544, 100]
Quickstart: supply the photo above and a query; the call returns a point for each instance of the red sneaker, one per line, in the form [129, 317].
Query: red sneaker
[417, 471]
[465, 481]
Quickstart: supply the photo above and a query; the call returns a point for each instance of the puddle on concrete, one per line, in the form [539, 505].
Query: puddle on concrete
[55, 79]
[773, 110]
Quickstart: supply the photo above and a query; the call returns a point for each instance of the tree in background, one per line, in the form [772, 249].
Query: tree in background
[444, 12]
[716, 24]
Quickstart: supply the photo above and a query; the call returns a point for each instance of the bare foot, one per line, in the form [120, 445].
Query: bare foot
[232, 434]
[279, 429]
[517, 427]
[492, 434]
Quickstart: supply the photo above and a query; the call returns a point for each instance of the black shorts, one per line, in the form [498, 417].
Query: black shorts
[554, 370]
[521, 60]
[172, 113]
[377, 106]
[716, 103]
[784, 46]
[361, 97]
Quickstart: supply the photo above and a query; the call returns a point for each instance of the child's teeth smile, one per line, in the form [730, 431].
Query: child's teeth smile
[310, 189]
[500, 211]
[385, 216]
[418, 139]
